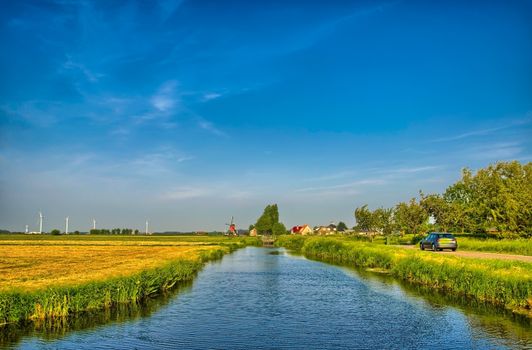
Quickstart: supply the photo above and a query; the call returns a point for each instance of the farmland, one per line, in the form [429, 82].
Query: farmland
[46, 276]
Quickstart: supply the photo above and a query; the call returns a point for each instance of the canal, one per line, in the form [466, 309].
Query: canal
[260, 298]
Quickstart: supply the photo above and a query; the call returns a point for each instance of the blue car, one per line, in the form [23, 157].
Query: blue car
[439, 241]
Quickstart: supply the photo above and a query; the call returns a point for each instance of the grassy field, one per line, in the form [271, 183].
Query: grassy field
[54, 276]
[521, 246]
[508, 246]
[505, 283]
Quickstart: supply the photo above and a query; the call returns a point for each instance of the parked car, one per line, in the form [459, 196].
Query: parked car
[438, 241]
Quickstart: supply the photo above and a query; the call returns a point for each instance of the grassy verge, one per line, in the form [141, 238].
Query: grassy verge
[41, 281]
[465, 242]
[504, 283]
[507, 246]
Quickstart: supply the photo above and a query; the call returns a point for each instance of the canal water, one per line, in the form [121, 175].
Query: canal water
[260, 298]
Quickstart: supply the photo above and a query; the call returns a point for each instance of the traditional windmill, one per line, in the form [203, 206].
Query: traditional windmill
[232, 228]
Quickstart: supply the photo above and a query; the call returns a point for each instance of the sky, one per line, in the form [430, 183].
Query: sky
[186, 113]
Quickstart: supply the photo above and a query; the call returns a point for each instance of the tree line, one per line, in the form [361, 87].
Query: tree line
[114, 231]
[496, 200]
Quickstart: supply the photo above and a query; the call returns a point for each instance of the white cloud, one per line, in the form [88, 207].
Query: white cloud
[208, 126]
[186, 192]
[527, 119]
[211, 96]
[166, 99]
[497, 151]
[350, 185]
[91, 76]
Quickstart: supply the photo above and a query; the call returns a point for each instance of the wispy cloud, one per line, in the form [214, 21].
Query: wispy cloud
[166, 99]
[487, 131]
[91, 76]
[210, 127]
[186, 192]
[358, 183]
[409, 170]
[496, 151]
[211, 96]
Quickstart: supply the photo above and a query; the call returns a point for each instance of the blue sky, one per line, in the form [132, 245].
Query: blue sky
[189, 112]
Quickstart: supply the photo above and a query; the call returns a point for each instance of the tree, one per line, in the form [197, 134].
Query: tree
[279, 229]
[383, 221]
[411, 217]
[341, 227]
[55, 232]
[268, 222]
[497, 198]
[364, 219]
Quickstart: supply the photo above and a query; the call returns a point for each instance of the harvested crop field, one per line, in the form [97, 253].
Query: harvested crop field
[31, 267]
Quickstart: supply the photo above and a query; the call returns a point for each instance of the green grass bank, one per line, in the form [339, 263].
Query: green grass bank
[504, 283]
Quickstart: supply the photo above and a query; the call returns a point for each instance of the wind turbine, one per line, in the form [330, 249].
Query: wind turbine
[94, 224]
[40, 222]
[27, 229]
[146, 226]
[66, 225]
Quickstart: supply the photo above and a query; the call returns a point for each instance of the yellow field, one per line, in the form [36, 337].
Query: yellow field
[30, 264]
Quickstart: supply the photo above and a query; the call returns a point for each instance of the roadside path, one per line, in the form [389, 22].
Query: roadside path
[476, 255]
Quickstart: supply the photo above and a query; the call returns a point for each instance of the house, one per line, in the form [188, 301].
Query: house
[325, 230]
[301, 230]
[253, 232]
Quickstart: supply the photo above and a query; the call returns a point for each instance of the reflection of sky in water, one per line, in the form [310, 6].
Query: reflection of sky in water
[253, 299]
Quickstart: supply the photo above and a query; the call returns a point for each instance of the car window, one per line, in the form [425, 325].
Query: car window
[447, 235]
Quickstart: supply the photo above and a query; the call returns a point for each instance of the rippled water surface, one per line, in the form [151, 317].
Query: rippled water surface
[253, 299]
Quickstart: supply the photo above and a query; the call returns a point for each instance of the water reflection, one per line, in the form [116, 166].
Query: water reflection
[53, 329]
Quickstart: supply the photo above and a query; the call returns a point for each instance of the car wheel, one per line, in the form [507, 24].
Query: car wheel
[421, 246]
[454, 249]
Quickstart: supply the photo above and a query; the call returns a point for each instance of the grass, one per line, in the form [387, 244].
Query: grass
[507, 246]
[505, 283]
[521, 246]
[49, 277]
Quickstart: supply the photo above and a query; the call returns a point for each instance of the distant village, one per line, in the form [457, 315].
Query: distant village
[306, 230]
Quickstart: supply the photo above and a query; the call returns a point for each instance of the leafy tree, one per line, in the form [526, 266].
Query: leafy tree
[268, 220]
[411, 217]
[341, 227]
[55, 232]
[279, 229]
[498, 198]
[383, 221]
[364, 219]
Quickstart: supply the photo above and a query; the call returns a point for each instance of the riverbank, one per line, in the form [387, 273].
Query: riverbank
[54, 277]
[504, 283]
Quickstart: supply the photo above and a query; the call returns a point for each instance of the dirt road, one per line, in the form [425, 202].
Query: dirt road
[476, 255]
